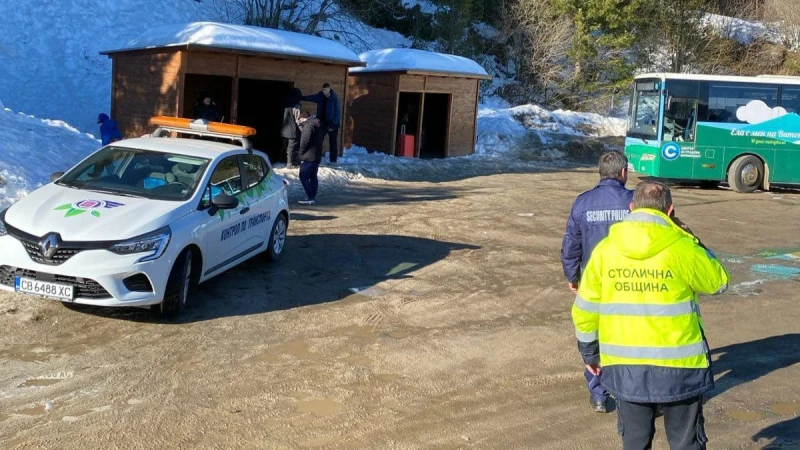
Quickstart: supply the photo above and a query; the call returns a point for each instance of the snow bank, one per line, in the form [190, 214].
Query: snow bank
[34, 148]
[391, 59]
[242, 37]
[743, 31]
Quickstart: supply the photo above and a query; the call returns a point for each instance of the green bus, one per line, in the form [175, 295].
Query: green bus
[710, 128]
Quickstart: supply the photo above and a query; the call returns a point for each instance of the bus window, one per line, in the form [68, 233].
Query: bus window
[679, 119]
[790, 100]
[644, 111]
[725, 99]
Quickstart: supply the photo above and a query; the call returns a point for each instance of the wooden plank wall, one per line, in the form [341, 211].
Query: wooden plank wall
[145, 85]
[148, 84]
[371, 111]
[372, 103]
[306, 76]
[463, 110]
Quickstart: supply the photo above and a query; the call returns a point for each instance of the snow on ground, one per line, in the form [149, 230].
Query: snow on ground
[509, 139]
[743, 31]
[34, 148]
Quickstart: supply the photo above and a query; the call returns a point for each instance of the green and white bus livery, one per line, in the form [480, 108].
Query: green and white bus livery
[743, 130]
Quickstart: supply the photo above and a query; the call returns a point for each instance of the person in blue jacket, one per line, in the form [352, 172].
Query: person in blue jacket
[109, 131]
[593, 213]
[329, 111]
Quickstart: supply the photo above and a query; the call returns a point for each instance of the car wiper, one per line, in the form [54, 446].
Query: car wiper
[121, 194]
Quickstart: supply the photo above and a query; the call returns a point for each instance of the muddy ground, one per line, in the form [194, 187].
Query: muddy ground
[404, 315]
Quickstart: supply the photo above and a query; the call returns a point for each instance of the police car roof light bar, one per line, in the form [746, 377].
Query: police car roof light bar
[201, 127]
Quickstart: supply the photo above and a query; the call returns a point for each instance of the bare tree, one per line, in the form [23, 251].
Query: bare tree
[538, 42]
[319, 17]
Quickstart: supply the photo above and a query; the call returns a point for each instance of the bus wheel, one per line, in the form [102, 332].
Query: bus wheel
[746, 174]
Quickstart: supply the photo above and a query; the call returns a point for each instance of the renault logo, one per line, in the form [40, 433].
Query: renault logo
[49, 245]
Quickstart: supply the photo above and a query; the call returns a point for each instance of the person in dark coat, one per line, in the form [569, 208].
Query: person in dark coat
[109, 131]
[205, 108]
[290, 132]
[329, 111]
[592, 215]
[310, 155]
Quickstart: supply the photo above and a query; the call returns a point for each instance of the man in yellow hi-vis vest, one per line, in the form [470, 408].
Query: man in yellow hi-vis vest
[638, 321]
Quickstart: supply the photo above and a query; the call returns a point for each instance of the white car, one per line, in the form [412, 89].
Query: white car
[141, 221]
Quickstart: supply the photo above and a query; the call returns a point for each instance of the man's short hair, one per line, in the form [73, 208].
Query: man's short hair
[611, 164]
[653, 195]
[326, 85]
[304, 115]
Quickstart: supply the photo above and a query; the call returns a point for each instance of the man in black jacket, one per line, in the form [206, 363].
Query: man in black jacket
[329, 112]
[310, 155]
[290, 132]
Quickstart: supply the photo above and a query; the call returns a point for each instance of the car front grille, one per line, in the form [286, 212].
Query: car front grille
[61, 255]
[84, 287]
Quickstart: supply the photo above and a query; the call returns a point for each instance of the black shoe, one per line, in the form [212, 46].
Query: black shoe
[598, 406]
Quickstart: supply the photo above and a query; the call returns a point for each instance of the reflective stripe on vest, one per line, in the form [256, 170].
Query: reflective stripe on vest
[649, 309]
[624, 351]
[586, 337]
[586, 305]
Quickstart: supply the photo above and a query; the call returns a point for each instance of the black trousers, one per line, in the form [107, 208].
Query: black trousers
[333, 144]
[292, 151]
[683, 422]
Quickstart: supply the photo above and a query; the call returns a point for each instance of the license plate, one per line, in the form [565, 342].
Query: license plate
[44, 288]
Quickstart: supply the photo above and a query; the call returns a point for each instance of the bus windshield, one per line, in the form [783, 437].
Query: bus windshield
[644, 111]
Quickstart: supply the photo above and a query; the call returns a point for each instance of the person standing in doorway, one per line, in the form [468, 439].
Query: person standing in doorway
[638, 322]
[329, 113]
[109, 131]
[310, 155]
[205, 108]
[592, 214]
[290, 131]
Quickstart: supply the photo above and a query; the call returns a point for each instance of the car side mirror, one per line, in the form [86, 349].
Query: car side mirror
[225, 201]
[55, 176]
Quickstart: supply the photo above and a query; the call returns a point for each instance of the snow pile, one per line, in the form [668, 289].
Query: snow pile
[394, 59]
[34, 148]
[242, 37]
[742, 31]
[501, 127]
[425, 6]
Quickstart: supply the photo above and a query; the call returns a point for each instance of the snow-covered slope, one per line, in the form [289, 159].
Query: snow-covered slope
[50, 64]
[31, 149]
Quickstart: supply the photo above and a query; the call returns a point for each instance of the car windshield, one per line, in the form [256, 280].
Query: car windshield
[138, 173]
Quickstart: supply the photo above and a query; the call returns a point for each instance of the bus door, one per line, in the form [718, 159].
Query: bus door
[679, 126]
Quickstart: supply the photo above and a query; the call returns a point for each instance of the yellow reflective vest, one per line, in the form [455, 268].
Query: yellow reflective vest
[636, 312]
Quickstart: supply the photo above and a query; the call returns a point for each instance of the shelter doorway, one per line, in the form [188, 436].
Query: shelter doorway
[260, 105]
[435, 126]
[219, 88]
[408, 115]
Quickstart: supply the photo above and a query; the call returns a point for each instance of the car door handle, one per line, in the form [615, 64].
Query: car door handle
[244, 210]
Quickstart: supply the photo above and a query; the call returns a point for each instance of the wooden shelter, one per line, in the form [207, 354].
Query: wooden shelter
[247, 71]
[430, 96]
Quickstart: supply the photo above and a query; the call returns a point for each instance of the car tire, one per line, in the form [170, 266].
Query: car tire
[277, 238]
[178, 286]
[746, 174]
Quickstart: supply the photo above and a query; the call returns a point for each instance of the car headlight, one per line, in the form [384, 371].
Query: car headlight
[155, 243]
[3, 230]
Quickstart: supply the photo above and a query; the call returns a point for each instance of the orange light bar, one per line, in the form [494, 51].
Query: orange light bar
[201, 125]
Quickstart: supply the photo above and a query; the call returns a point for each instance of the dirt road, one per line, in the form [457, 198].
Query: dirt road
[405, 315]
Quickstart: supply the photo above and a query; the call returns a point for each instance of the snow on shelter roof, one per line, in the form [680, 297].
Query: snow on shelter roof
[420, 61]
[250, 39]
